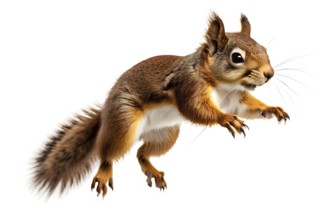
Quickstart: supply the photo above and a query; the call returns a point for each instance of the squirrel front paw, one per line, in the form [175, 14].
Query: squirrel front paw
[233, 124]
[278, 112]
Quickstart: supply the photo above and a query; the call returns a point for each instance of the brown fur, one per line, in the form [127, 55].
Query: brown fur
[207, 87]
[69, 154]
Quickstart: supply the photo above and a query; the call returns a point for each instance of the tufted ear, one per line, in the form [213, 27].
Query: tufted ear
[215, 36]
[246, 27]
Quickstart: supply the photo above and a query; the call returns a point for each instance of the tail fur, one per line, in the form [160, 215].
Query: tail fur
[68, 156]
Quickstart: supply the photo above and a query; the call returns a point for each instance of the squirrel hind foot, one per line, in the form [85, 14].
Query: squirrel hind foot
[103, 178]
[159, 180]
[101, 187]
[158, 176]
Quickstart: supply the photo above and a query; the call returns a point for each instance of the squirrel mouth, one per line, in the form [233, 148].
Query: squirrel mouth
[249, 86]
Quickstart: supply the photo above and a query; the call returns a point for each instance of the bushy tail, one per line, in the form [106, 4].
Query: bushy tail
[69, 154]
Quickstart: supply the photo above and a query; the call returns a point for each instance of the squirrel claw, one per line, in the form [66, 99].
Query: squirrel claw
[234, 125]
[245, 126]
[149, 182]
[232, 133]
[242, 131]
[93, 184]
[110, 183]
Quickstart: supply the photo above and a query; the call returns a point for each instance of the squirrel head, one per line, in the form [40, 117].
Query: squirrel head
[235, 58]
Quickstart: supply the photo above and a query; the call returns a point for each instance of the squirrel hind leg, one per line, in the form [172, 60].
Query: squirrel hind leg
[156, 143]
[114, 140]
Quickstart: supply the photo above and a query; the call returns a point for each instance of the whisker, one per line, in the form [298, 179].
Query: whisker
[292, 58]
[271, 41]
[288, 94]
[297, 81]
[287, 86]
[200, 133]
[279, 91]
[301, 70]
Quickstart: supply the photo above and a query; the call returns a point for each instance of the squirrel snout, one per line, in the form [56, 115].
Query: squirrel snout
[267, 71]
[269, 75]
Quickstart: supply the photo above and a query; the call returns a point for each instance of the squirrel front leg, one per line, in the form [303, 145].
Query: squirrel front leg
[254, 108]
[195, 104]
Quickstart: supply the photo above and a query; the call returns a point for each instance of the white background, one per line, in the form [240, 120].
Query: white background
[57, 57]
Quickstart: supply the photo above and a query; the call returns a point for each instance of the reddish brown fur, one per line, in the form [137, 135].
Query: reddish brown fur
[183, 84]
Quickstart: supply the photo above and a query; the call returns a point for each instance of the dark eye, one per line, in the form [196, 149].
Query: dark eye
[237, 58]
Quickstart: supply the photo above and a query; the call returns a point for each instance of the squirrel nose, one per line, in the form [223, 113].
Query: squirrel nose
[269, 75]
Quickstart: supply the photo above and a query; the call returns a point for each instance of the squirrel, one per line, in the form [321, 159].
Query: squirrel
[150, 100]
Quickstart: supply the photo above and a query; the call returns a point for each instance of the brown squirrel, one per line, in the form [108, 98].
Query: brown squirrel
[150, 100]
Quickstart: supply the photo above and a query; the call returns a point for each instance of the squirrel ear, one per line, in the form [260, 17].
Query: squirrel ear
[215, 36]
[246, 27]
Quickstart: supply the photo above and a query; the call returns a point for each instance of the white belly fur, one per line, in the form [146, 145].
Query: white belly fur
[227, 99]
[159, 117]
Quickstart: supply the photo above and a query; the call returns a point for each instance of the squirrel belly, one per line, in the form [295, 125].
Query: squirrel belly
[158, 117]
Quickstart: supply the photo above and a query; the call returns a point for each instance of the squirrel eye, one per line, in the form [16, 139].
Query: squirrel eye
[237, 57]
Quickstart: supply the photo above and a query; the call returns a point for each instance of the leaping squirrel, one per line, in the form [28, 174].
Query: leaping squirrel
[150, 100]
